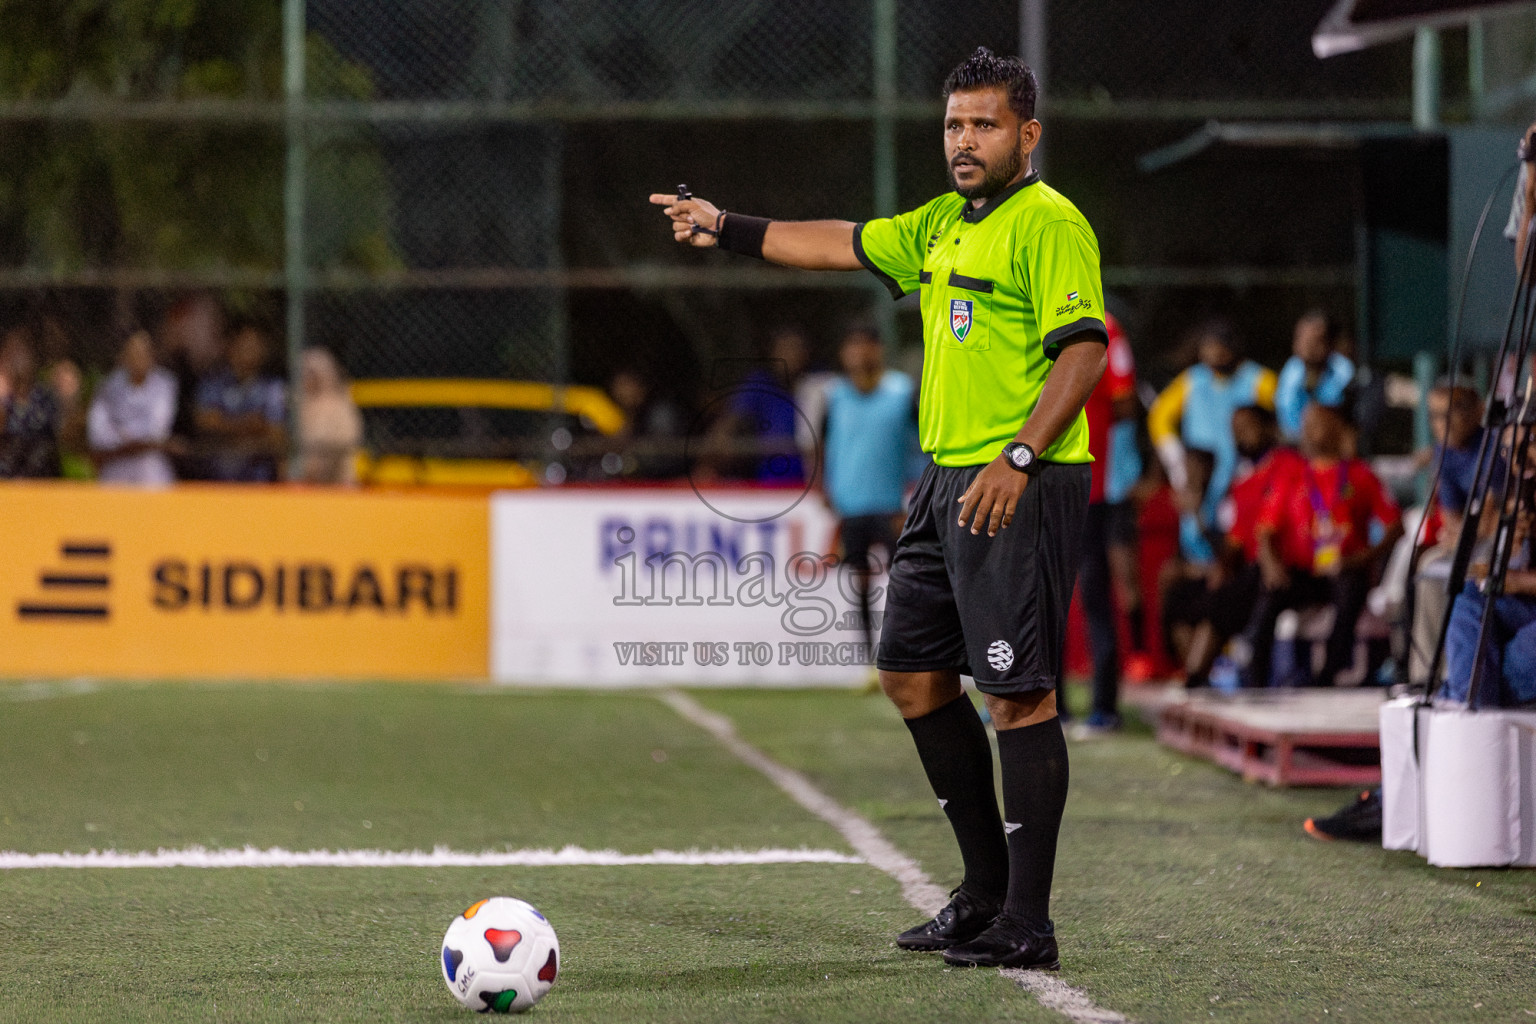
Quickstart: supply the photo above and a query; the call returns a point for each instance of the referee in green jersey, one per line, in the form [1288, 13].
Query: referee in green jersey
[1013, 341]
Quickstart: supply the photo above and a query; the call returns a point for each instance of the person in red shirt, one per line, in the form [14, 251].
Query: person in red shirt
[1232, 582]
[1313, 542]
[1110, 524]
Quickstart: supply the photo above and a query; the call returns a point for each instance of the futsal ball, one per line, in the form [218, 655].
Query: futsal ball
[500, 956]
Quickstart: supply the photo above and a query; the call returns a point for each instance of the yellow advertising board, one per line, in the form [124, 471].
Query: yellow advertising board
[241, 582]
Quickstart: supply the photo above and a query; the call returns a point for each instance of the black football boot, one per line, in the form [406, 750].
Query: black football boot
[1008, 943]
[964, 917]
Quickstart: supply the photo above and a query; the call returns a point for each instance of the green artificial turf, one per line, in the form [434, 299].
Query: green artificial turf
[1182, 893]
[406, 767]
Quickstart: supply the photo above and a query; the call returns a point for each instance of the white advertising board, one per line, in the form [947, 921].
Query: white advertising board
[665, 586]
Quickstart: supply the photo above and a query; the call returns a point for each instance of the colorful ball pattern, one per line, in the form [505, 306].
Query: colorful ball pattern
[500, 956]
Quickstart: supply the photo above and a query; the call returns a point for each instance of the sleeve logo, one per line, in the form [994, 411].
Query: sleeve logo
[1074, 304]
[960, 318]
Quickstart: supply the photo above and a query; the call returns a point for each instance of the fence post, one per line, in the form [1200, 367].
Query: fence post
[1032, 50]
[883, 65]
[294, 269]
[1426, 79]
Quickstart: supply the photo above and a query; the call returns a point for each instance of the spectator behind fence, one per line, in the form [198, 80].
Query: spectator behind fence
[129, 426]
[29, 412]
[1316, 372]
[765, 411]
[1110, 525]
[1196, 409]
[870, 435]
[1314, 543]
[1182, 579]
[241, 411]
[1232, 585]
[330, 427]
[68, 385]
[192, 344]
[651, 440]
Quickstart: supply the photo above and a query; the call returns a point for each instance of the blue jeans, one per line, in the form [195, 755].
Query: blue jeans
[1509, 657]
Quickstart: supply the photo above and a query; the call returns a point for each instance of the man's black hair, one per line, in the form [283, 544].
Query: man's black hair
[1461, 393]
[985, 70]
[1343, 411]
[1333, 328]
[861, 329]
[1264, 416]
[238, 325]
[1218, 328]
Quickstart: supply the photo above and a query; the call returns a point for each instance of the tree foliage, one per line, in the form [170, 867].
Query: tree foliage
[175, 193]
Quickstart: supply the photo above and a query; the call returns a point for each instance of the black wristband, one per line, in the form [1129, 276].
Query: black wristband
[742, 234]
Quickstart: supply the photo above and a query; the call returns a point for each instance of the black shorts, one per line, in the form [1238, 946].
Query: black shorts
[995, 608]
[860, 533]
[1190, 601]
[1120, 530]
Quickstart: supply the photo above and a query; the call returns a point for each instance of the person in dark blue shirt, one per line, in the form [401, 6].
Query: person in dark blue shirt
[243, 412]
[1455, 421]
[766, 408]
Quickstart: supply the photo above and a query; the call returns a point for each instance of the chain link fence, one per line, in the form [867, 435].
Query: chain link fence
[469, 176]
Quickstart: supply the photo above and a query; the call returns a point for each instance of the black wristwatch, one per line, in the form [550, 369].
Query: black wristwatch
[1021, 456]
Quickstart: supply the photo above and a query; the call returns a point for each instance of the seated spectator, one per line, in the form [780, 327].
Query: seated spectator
[1507, 660]
[129, 426]
[1455, 423]
[1316, 372]
[1233, 582]
[241, 412]
[1314, 544]
[1196, 409]
[30, 414]
[1182, 580]
[330, 427]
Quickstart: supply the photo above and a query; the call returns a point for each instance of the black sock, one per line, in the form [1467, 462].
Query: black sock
[1034, 760]
[952, 744]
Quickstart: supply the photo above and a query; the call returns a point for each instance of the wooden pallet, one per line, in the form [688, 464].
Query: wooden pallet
[1280, 737]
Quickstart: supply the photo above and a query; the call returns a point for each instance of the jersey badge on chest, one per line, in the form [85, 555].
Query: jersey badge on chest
[960, 318]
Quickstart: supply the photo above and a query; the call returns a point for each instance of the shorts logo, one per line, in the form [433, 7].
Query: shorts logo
[1000, 655]
[960, 318]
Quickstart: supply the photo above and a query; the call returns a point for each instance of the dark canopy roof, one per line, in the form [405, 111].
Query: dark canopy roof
[1356, 24]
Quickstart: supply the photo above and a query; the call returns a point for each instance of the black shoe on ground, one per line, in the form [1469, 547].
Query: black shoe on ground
[1359, 821]
[965, 917]
[1008, 943]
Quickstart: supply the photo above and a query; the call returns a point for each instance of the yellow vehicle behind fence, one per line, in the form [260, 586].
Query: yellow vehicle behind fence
[467, 433]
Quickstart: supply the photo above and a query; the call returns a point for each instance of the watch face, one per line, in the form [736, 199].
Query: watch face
[1020, 457]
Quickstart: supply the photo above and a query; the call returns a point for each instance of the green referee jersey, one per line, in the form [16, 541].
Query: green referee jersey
[1003, 287]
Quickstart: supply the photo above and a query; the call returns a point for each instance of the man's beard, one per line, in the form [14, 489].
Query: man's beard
[995, 178]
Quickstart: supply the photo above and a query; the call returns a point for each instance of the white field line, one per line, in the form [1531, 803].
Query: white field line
[916, 887]
[440, 857]
[1055, 994]
[860, 833]
[46, 690]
